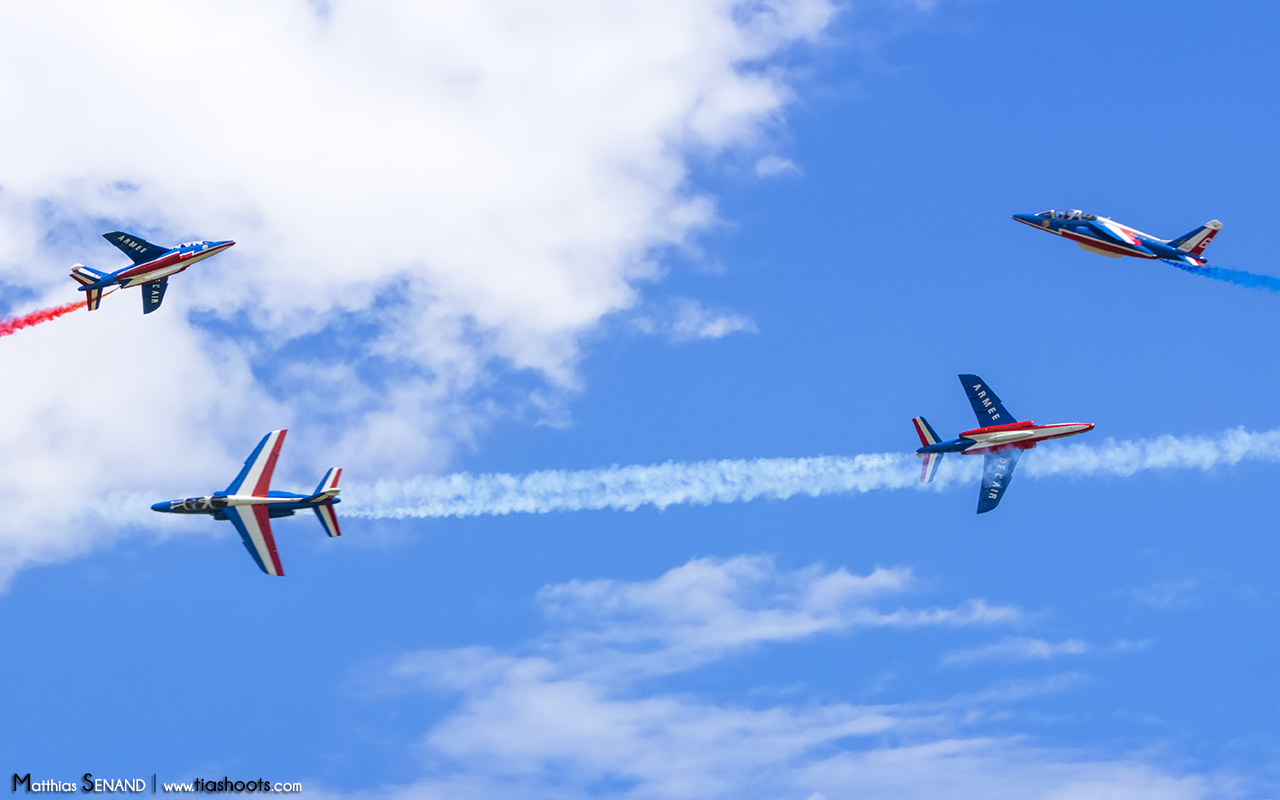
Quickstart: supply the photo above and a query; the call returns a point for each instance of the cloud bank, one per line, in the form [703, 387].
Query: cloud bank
[426, 198]
[575, 712]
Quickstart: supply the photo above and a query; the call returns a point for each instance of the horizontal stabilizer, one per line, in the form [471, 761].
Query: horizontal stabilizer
[86, 276]
[93, 298]
[929, 467]
[329, 519]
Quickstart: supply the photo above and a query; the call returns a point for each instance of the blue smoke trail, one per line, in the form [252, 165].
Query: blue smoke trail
[1232, 276]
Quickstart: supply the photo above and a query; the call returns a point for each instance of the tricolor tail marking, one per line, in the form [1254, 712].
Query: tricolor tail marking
[924, 431]
[1196, 241]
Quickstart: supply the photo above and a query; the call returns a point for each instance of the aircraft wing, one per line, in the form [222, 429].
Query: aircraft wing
[997, 471]
[255, 478]
[254, 525]
[987, 407]
[138, 250]
[1110, 230]
[153, 294]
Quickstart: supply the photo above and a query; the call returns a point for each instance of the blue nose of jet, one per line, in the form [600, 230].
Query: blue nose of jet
[165, 506]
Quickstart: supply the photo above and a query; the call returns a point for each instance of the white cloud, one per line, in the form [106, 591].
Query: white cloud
[430, 191]
[693, 321]
[1167, 595]
[574, 714]
[687, 320]
[773, 166]
[1017, 648]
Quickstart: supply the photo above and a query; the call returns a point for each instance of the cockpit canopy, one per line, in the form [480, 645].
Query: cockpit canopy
[201, 503]
[1070, 213]
[190, 244]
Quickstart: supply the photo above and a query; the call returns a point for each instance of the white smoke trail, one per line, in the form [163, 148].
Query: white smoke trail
[704, 482]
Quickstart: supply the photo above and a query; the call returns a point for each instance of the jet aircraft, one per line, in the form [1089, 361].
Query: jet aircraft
[1109, 238]
[151, 268]
[250, 505]
[1000, 440]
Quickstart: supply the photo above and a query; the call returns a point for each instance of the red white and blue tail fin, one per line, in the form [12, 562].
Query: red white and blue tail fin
[1196, 241]
[924, 431]
[927, 437]
[327, 490]
[88, 276]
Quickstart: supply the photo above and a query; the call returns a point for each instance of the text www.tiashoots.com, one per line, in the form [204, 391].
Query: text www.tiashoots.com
[88, 783]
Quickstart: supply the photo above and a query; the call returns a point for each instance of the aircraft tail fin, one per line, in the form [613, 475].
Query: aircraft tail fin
[324, 500]
[925, 431]
[86, 276]
[1196, 241]
[93, 298]
[328, 488]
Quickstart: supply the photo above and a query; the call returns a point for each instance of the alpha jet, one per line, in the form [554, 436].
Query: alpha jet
[152, 266]
[250, 504]
[1109, 238]
[1000, 440]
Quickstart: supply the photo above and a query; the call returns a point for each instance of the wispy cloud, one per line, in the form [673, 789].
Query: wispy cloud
[1167, 595]
[730, 481]
[686, 320]
[1017, 649]
[570, 715]
[773, 166]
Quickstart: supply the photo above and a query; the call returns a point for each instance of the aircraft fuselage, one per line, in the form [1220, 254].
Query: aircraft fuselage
[171, 263]
[278, 504]
[1015, 435]
[1107, 237]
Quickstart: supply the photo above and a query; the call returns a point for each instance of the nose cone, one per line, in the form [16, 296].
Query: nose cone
[223, 245]
[1027, 219]
[165, 506]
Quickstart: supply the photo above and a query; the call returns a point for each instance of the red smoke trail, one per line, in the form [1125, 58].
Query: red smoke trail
[12, 325]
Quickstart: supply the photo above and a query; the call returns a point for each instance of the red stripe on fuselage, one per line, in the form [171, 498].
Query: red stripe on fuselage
[1027, 444]
[1012, 426]
[170, 259]
[1098, 244]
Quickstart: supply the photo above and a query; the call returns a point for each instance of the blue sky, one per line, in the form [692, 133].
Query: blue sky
[523, 238]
